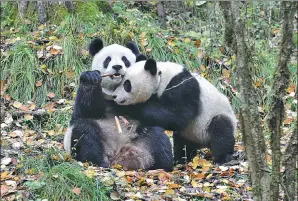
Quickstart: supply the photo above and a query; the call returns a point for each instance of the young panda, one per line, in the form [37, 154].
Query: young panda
[168, 95]
[93, 137]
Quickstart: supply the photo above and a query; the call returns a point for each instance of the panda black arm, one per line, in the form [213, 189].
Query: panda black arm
[89, 101]
[176, 107]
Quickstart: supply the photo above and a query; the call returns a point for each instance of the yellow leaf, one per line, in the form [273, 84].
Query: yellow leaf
[168, 132]
[53, 38]
[4, 175]
[17, 104]
[187, 40]
[143, 35]
[90, 173]
[43, 66]
[196, 185]
[203, 68]
[233, 57]
[170, 192]
[226, 73]
[31, 106]
[28, 117]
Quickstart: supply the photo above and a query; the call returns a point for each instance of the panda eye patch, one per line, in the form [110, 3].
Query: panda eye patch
[106, 62]
[126, 62]
[127, 86]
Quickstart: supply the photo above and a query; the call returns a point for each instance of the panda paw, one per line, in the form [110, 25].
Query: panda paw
[91, 77]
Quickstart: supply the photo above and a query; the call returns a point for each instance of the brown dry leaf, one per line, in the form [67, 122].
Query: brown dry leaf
[197, 43]
[168, 133]
[28, 117]
[222, 49]
[200, 176]
[7, 97]
[76, 191]
[54, 51]
[226, 198]
[173, 186]
[130, 179]
[32, 106]
[51, 95]
[200, 54]
[17, 104]
[291, 88]
[163, 176]
[38, 83]
[24, 108]
[259, 82]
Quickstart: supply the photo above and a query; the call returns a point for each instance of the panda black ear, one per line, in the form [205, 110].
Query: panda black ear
[141, 57]
[95, 46]
[133, 47]
[151, 66]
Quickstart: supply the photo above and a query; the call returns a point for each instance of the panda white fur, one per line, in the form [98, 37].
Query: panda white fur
[169, 96]
[92, 135]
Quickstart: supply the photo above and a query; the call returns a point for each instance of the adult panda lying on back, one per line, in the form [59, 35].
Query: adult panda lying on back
[168, 95]
[92, 135]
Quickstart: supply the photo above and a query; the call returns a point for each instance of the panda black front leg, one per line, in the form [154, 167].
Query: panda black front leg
[184, 150]
[89, 100]
[222, 138]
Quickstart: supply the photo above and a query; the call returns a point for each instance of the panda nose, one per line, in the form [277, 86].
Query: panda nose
[117, 67]
[114, 96]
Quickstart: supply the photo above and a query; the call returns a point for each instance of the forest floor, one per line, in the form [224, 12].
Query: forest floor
[40, 67]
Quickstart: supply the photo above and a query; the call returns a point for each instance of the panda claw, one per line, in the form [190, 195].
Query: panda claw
[90, 77]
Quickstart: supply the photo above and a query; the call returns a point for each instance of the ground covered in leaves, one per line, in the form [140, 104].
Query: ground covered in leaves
[34, 165]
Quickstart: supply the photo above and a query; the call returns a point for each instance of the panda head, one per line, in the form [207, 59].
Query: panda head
[113, 59]
[139, 83]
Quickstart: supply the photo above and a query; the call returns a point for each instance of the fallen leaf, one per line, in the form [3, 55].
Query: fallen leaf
[4, 175]
[51, 95]
[170, 192]
[24, 108]
[28, 117]
[4, 190]
[76, 191]
[38, 83]
[114, 196]
[5, 161]
[172, 186]
[17, 104]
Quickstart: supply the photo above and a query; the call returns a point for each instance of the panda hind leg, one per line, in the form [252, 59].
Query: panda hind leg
[221, 133]
[86, 145]
[182, 155]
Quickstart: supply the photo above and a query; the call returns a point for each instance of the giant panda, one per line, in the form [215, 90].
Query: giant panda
[168, 95]
[92, 135]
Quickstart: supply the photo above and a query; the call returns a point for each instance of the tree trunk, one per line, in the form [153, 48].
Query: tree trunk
[70, 6]
[22, 7]
[41, 12]
[278, 91]
[229, 26]
[290, 159]
[161, 13]
[249, 117]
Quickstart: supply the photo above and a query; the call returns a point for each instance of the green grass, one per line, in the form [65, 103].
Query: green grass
[58, 175]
